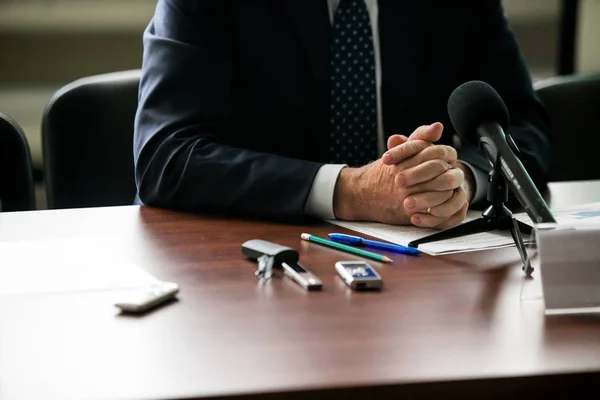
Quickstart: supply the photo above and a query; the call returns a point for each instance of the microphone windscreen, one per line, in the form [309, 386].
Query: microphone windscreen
[472, 104]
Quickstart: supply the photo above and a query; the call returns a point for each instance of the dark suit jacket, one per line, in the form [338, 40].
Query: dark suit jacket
[234, 97]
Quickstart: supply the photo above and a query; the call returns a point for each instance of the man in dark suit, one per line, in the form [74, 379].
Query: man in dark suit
[284, 109]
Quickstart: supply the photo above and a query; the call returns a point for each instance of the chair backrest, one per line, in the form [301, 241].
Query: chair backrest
[87, 141]
[573, 104]
[16, 176]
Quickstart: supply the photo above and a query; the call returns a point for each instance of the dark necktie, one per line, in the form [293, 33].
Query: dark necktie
[353, 119]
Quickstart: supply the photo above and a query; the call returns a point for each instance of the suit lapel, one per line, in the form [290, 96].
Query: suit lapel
[402, 34]
[311, 20]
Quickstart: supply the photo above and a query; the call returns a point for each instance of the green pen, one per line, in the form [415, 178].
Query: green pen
[346, 248]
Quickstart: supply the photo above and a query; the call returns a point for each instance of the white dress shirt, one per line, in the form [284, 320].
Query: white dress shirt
[320, 199]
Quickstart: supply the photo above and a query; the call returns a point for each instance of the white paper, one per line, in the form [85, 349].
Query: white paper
[404, 234]
[65, 265]
[482, 241]
[578, 216]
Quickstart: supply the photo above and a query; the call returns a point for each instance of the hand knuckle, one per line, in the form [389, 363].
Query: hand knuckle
[436, 151]
[420, 144]
[420, 157]
[451, 154]
[419, 129]
[407, 177]
[406, 149]
[459, 178]
[400, 149]
[448, 180]
[395, 152]
[440, 165]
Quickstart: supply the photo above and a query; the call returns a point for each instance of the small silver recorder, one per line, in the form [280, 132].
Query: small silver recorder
[359, 275]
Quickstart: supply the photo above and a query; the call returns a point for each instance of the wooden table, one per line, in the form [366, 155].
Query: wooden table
[443, 326]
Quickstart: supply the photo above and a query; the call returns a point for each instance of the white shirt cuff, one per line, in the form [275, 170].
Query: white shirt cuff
[481, 183]
[320, 199]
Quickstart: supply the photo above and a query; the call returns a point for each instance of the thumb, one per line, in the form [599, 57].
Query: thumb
[396, 140]
[429, 133]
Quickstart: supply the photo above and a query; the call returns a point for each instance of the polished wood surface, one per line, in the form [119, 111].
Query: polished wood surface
[451, 325]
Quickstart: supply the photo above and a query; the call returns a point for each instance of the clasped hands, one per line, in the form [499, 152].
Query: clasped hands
[414, 182]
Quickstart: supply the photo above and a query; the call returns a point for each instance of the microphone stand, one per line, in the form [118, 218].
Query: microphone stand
[496, 217]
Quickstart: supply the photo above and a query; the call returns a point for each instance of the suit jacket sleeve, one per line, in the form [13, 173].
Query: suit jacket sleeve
[495, 58]
[183, 158]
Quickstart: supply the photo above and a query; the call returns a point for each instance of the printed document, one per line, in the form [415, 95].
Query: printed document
[481, 241]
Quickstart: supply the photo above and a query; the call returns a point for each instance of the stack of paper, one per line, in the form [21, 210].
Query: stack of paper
[482, 241]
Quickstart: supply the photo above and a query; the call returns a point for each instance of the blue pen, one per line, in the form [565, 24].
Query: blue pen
[358, 241]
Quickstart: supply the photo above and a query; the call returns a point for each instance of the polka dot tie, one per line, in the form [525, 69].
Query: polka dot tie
[353, 119]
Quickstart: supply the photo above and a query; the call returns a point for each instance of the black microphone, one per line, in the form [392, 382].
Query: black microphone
[479, 116]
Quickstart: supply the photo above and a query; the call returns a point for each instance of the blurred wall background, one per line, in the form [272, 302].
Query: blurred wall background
[45, 44]
[587, 54]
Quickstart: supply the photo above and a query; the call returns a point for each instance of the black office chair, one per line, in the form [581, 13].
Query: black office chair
[87, 140]
[573, 104]
[16, 176]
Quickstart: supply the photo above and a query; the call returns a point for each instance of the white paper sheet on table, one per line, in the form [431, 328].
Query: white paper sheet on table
[482, 241]
[586, 214]
[65, 265]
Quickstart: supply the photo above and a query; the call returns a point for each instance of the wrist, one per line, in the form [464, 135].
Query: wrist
[346, 195]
